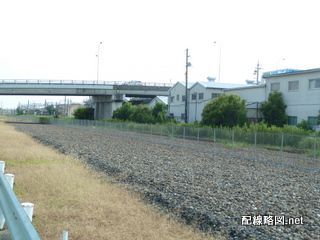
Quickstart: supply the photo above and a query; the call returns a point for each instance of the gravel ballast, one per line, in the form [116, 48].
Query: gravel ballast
[210, 191]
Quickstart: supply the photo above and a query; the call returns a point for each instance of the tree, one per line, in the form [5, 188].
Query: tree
[141, 114]
[89, 102]
[84, 113]
[159, 113]
[51, 109]
[124, 112]
[19, 111]
[225, 110]
[274, 110]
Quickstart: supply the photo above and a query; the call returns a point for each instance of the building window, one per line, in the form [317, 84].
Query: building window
[200, 96]
[183, 98]
[292, 120]
[171, 99]
[293, 86]
[275, 87]
[194, 96]
[312, 121]
[178, 98]
[314, 83]
[215, 95]
[183, 116]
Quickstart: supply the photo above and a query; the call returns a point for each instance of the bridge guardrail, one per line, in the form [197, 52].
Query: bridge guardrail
[77, 82]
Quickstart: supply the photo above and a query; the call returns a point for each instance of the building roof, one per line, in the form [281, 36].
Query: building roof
[156, 99]
[220, 85]
[245, 87]
[286, 72]
[190, 84]
[164, 99]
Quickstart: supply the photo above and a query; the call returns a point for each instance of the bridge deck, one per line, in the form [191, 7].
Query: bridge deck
[80, 88]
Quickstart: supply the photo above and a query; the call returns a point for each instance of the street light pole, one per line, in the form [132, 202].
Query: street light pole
[219, 60]
[279, 62]
[186, 96]
[98, 61]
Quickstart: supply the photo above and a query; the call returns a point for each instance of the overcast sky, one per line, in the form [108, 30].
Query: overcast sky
[146, 39]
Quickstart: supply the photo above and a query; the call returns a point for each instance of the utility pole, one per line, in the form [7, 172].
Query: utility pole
[256, 71]
[186, 96]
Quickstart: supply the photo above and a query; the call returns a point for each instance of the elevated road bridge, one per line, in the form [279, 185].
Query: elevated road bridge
[107, 95]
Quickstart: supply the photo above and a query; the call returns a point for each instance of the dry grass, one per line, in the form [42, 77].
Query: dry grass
[68, 197]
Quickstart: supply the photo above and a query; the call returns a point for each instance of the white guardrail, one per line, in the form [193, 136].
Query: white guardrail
[17, 219]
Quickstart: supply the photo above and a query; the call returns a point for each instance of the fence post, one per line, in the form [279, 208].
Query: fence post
[314, 152]
[65, 235]
[214, 140]
[28, 208]
[255, 146]
[172, 131]
[281, 148]
[198, 136]
[232, 140]
[184, 136]
[2, 165]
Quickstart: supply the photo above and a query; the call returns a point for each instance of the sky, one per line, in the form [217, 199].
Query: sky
[146, 40]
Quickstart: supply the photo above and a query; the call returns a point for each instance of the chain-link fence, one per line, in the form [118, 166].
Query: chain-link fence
[284, 149]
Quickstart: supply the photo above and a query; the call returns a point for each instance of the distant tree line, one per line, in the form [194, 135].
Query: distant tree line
[141, 113]
[224, 111]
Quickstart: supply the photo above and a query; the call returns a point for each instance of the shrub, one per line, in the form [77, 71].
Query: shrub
[141, 114]
[308, 143]
[304, 125]
[225, 110]
[84, 113]
[124, 112]
[274, 109]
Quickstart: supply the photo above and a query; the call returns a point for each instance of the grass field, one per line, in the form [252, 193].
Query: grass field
[69, 197]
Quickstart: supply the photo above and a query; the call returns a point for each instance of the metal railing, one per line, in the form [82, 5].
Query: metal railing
[77, 82]
[300, 151]
[17, 220]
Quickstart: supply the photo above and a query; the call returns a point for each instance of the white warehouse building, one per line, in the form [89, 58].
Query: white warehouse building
[202, 92]
[300, 90]
[199, 94]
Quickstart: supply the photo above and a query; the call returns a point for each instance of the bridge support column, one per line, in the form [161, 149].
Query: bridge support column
[105, 105]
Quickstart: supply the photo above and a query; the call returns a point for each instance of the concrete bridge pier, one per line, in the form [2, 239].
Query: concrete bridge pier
[105, 105]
